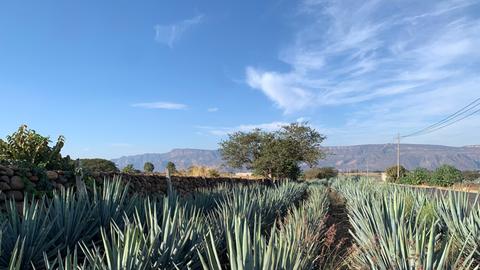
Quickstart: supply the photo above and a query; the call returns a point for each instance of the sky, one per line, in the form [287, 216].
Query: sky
[129, 77]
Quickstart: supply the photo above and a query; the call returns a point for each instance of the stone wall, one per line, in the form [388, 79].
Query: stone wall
[16, 182]
[157, 183]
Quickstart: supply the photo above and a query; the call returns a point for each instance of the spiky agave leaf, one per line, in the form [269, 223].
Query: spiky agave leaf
[391, 235]
[248, 249]
[74, 216]
[33, 229]
[68, 262]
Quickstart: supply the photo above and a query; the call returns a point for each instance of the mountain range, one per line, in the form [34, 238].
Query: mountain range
[374, 157]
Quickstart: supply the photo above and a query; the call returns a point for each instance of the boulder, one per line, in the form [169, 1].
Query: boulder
[33, 178]
[52, 175]
[4, 186]
[9, 172]
[5, 179]
[62, 179]
[15, 194]
[16, 183]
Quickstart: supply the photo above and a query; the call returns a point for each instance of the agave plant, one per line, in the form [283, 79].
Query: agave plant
[390, 233]
[152, 239]
[110, 203]
[74, 217]
[462, 217]
[249, 249]
[28, 235]
[69, 262]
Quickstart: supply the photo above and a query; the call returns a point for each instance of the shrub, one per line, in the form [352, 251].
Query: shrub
[129, 169]
[446, 175]
[416, 177]
[98, 165]
[392, 173]
[148, 167]
[321, 173]
[213, 173]
[171, 167]
[30, 149]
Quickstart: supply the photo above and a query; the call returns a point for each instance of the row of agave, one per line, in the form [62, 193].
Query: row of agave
[403, 228]
[294, 243]
[211, 229]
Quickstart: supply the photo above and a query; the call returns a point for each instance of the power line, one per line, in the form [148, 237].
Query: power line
[455, 117]
[449, 124]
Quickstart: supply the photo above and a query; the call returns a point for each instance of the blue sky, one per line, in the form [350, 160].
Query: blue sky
[123, 77]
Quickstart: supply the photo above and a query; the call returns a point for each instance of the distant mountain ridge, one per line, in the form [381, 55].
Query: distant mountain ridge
[375, 157]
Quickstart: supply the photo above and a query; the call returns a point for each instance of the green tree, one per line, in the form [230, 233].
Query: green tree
[27, 147]
[276, 154]
[321, 173]
[148, 167]
[416, 177]
[392, 173]
[213, 173]
[98, 165]
[129, 169]
[171, 167]
[446, 175]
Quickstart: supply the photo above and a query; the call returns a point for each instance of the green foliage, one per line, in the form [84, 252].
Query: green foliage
[416, 177]
[98, 165]
[275, 154]
[129, 169]
[28, 148]
[213, 173]
[392, 173]
[171, 167]
[446, 175]
[148, 167]
[321, 173]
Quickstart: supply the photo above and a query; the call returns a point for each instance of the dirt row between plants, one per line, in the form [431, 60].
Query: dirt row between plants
[338, 240]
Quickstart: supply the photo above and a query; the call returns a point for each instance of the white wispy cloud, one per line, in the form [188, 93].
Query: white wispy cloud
[222, 131]
[213, 109]
[353, 52]
[161, 105]
[172, 33]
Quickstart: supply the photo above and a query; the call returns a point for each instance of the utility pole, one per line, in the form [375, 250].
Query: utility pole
[398, 156]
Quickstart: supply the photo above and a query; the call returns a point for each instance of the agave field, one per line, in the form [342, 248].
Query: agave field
[401, 228]
[243, 227]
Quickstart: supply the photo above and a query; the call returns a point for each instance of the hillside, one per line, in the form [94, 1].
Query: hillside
[378, 157]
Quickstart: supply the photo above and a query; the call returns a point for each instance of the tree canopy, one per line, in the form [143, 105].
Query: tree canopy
[148, 167]
[98, 165]
[171, 167]
[129, 169]
[276, 154]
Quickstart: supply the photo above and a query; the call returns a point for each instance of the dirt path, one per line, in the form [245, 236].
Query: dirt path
[337, 238]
